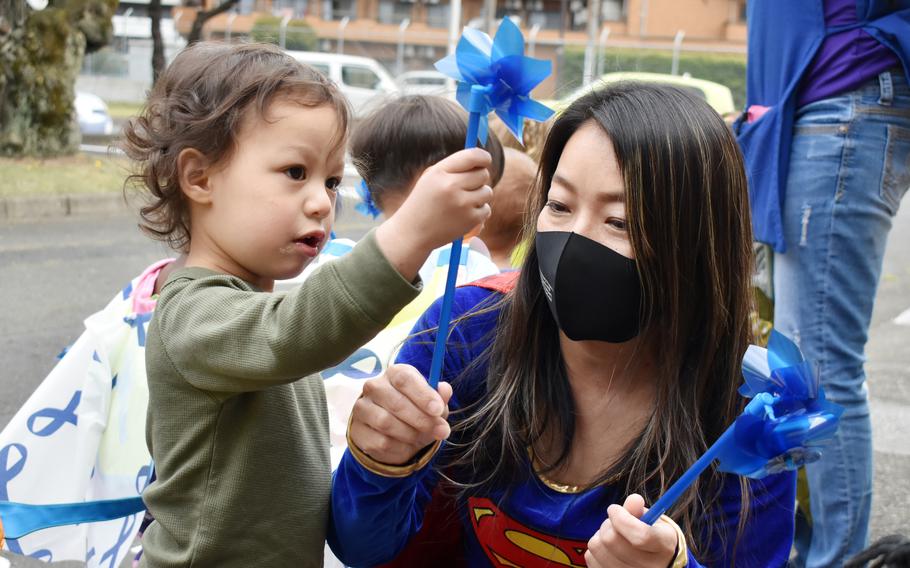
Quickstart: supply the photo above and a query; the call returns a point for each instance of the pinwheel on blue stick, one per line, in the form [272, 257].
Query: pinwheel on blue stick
[493, 76]
[783, 427]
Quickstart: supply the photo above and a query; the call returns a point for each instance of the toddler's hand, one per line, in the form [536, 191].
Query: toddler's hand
[450, 198]
[624, 540]
[399, 414]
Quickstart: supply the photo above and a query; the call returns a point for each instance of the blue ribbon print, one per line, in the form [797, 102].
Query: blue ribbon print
[139, 321]
[127, 290]
[57, 417]
[143, 478]
[782, 428]
[125, 531]
[7, 473]
[367, 205]
[494, 75]
[348, 369]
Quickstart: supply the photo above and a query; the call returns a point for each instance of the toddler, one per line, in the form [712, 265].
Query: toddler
[241, 149]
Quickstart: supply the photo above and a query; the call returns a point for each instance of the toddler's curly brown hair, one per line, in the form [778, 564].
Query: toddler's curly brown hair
[199, 102]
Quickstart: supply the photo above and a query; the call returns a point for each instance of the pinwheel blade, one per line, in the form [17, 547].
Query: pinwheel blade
[508, 41]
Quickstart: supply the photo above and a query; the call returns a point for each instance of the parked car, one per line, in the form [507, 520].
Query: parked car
[92, 115]
[429, 82]
[362, 79]
[718, 96]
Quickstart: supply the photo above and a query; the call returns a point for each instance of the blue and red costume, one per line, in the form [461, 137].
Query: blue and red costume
[375, 519]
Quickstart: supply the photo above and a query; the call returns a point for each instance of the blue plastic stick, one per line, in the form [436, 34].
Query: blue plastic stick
[445, 313]
[677, 489]
[20, 519]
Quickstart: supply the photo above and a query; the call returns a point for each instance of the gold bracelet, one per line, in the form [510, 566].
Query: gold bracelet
[682, 551]
[422, 458]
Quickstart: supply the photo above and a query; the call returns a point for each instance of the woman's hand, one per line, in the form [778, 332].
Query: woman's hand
[623, 540]
[399, 414]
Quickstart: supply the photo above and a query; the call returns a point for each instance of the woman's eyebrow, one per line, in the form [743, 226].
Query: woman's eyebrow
[564, 182]
[604, 196]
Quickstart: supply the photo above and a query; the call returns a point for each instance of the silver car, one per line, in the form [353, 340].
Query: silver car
[93, 116]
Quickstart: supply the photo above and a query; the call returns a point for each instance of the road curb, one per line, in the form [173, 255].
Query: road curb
[66, 205]
[44, 207]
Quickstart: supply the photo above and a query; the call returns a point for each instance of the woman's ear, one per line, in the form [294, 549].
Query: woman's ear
[193, 173]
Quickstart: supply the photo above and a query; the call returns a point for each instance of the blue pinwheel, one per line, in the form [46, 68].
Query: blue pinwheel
[783, 426]
[493, 76]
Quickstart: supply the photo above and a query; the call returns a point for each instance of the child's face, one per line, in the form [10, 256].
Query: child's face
[273, 201]
[587, 194]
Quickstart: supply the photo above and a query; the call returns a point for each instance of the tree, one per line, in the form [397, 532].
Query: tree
[299, 35]
[41, 52]
[202, 16]
[157, 41]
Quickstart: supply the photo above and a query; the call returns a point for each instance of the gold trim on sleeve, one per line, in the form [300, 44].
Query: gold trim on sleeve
[682, 550]
[422, 458]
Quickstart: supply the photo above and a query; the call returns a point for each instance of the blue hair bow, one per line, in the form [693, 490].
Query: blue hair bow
[781, 428]
[367, 206]
[492, 75]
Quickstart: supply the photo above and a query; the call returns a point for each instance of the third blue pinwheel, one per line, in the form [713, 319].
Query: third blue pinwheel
[783, 427]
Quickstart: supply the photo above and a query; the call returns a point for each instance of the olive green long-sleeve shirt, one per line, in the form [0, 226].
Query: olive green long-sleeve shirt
[240, 441]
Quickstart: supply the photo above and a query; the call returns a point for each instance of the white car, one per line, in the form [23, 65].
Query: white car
[424, 83]
[92, 115]
[362, 79]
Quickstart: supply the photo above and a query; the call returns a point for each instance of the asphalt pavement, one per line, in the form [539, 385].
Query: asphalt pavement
[55, 271]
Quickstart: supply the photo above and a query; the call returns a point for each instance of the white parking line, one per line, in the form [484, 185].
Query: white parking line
[903, 318]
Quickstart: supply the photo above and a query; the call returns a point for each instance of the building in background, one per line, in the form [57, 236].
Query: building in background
[375, 28]
[122, 71]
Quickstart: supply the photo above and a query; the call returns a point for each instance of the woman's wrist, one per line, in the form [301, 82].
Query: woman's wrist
[681, 558]
[416, 463]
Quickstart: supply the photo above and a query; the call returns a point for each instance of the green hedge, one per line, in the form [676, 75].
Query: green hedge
[726, 69]
[300, 35]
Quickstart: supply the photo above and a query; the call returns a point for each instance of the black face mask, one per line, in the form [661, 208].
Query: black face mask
[593, 291]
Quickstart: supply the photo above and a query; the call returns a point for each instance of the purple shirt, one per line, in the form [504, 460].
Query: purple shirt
[846, 59]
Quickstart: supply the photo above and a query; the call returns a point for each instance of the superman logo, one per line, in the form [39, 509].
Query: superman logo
[510, 544]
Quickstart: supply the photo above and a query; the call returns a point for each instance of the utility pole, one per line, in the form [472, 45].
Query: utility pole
[489, 16]
[561, 48]
[591, 47]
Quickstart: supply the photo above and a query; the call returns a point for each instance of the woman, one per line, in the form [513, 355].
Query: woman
[588, 388]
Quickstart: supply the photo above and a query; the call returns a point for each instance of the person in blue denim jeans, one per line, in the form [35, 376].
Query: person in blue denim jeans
[826, 138]
[848, 171]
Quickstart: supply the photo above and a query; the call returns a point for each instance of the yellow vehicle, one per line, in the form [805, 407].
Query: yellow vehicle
[718, 96]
